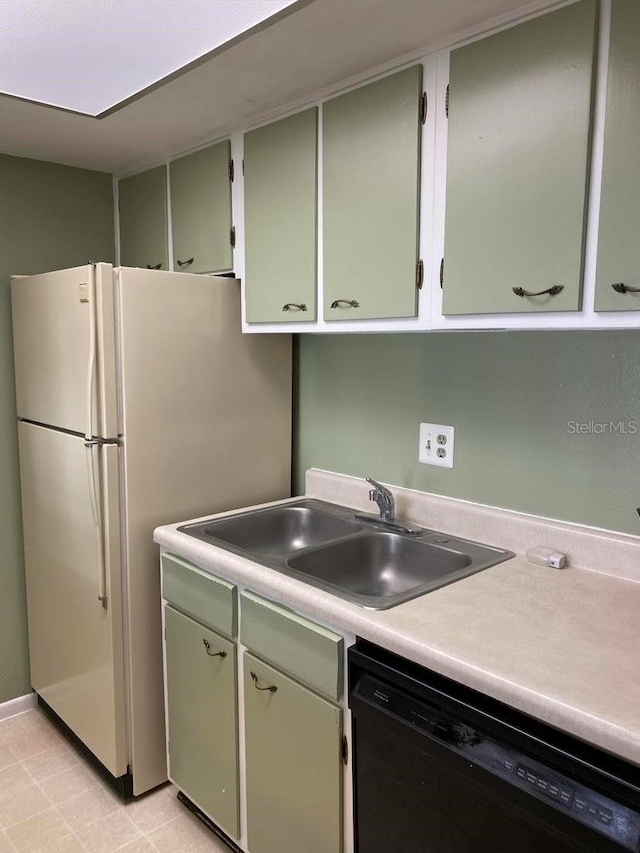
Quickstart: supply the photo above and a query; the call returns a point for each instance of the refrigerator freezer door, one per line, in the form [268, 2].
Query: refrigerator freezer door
[75, 643]
[56, 319]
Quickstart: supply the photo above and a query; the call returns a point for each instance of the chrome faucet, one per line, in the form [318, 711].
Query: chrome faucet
[383, 497]
[387, 506]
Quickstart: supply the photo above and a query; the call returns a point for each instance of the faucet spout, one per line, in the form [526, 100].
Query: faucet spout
[387, 519]
[383, 497]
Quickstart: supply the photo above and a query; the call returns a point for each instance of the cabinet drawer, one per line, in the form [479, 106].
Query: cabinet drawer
[307, 651]
[207, 598]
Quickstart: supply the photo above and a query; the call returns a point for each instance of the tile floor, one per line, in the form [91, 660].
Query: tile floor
[52, 801]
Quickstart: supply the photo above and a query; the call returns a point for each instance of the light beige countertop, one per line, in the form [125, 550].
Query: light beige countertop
[560, 645]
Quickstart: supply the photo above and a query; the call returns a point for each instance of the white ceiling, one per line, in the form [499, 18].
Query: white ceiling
[121, 47]
[308, 51]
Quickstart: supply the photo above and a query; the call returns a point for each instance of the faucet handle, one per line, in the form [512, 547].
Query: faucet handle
[376, 486]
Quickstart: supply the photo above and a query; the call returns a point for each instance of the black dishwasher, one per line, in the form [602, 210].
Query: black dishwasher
[440, 768]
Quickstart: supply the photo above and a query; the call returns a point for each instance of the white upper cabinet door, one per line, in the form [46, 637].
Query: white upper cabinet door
[63, 336]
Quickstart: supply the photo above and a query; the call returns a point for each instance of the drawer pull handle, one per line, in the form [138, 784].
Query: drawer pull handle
[270, 687]
[211, 654]
[625, 288]
[350, 303]
[154, 266]
[186, 263]
[297, 306]
[551, 291]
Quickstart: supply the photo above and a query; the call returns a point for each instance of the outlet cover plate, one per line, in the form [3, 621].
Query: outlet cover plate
[436, 445]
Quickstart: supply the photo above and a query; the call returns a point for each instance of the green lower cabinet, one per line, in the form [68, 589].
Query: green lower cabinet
[202, 717]
[293, 765]
[142, 204]
[618, 270]
[519, 111]
[201, 210]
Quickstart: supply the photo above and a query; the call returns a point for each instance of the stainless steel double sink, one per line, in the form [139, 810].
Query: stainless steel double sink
[327, 546]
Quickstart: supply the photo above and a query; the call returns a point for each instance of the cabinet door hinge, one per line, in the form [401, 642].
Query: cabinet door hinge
[344, 750]
[232, 236]
[419, 275]
[424, 105]
[442, 273]
[232, 171]
[446, 102]
[243, 165]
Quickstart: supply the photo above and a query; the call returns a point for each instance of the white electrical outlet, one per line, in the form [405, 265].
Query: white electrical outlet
[436, 445]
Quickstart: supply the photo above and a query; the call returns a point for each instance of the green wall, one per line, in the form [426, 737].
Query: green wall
[510, 396]
[50, 217]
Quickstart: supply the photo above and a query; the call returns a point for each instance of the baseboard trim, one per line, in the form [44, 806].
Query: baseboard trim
[17, 706]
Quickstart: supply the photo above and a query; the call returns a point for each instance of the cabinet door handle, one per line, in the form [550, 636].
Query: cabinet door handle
[270, 687]
[551, 291]
[211, 654]
[185, 263]
[297, 306]
[154, 266]
[625, 288]
[350, 303]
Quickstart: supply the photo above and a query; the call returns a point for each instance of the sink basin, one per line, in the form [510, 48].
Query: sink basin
[380, 564]
[324, 545]
[275, 531]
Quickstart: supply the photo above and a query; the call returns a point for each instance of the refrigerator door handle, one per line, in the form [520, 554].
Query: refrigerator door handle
[90, 443]
[91, 362]
[97, 519]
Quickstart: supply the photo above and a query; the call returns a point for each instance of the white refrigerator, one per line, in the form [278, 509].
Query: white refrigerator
[139, 403]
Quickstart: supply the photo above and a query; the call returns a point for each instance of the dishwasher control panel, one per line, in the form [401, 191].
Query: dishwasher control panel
[587, 806]
[611, 819]
[562, 793]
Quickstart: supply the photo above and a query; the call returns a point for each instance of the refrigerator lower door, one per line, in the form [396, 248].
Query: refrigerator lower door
[75, 639]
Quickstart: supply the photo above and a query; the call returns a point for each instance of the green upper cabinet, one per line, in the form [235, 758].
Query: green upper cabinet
[517, 166]
[143, 220]
[371, 177]
[201, 210]
[618, 244]
[280, 204]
